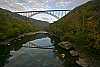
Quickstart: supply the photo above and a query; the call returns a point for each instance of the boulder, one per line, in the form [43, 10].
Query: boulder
[82, 62]
[74, 53]
[66, 45]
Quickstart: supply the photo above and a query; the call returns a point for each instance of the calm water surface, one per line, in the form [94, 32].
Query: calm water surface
[34, 57]
[37, 52]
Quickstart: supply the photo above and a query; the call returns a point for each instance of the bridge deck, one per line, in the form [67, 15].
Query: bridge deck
[40, 11]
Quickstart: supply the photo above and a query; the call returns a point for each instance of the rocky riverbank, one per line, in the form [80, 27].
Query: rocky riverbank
[18, 38]
[69, 53]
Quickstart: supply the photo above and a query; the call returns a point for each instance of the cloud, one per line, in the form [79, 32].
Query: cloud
[10, 5]
[27, 5]
[16, 5]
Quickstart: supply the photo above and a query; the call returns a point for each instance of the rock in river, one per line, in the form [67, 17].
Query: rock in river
[66, 45]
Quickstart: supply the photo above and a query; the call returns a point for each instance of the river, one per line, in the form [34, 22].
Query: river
[39, 52]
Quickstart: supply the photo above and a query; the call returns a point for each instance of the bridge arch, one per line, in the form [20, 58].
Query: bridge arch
[55, 13]
[44, 13]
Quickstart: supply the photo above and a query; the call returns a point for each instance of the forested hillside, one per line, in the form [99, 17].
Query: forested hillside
[81, 27]
[12, 26]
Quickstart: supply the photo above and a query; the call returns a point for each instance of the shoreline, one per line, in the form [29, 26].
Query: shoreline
[7, 41]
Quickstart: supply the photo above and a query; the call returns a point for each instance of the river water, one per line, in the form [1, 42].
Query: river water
[39, 52]
[28, 56]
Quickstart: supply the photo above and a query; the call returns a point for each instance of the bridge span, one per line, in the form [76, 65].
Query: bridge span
[55, 13]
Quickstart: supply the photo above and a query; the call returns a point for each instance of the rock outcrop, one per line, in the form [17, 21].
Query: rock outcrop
[72, 54]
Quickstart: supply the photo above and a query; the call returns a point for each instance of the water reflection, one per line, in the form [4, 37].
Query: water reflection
[29, 57]
[14, 45]
[15, 55]
[10, 50]
[4, 54]
[42, 42]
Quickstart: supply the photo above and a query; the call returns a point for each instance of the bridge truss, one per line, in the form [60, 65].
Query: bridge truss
[55, 13]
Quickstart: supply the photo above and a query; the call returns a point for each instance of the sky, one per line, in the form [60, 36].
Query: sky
[28, 5]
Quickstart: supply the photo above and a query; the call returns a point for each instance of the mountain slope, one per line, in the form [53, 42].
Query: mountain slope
[82, 28]
[11, 26]
[84, 19]
[42, 25]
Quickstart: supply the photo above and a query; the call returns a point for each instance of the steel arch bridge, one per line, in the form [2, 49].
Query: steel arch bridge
[55, 13]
